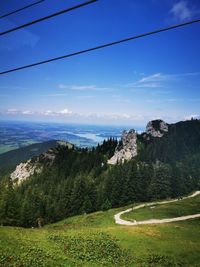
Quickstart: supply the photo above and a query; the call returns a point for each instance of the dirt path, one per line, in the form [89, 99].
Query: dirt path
[118, 220]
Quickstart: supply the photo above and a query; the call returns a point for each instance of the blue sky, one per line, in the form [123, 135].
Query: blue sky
[132, 83]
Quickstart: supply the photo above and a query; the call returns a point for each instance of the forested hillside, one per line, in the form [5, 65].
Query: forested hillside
[10, 159]
[80, 180]
[181, 140]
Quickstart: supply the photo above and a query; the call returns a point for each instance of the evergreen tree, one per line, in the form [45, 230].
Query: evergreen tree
[160, 186]
[9, 209]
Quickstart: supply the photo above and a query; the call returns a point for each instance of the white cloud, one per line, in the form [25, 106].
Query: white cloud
[121, 117]
[83, 87]
[47, 112]
[27, 112]
[62, 86]
[158, 80]
[66, 115]
[126, 116]
[148, 85]
[64, 112]
[152, 78]
[150, 81]
[181, 11]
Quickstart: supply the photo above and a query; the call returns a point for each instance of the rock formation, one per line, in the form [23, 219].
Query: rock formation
[156, 128]
[36, 165]
[24, 170]
[126, 148]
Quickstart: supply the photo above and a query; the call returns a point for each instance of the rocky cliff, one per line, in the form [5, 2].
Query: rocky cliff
[36, 165]
[156, 128]
[24, 170]
[126, 148]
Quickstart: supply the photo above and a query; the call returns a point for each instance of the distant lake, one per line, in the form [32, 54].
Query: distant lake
[19, 134]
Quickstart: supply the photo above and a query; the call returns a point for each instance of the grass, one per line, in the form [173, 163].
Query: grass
[176, 209]
[95, 240]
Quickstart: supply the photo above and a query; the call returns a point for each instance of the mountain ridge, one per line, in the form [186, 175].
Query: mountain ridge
[130, 146]
[80, 180]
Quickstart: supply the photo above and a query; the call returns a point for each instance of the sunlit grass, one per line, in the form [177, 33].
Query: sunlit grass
[95, 240]
[176, 209]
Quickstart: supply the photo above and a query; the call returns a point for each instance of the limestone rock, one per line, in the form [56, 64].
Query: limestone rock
[36, 165]
[24, 170]
[126, 149]
[156, 128]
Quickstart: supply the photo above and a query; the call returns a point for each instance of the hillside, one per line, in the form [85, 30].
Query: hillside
[66, 181]
[16, 156]
[12, 158]
[179, 141]
[95, 240]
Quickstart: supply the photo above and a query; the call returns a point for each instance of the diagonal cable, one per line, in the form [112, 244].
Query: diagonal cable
[20, 9]
[48, 17]
[102, 46]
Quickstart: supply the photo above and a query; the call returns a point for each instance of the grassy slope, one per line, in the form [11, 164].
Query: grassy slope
[180, 208]
[88, 240]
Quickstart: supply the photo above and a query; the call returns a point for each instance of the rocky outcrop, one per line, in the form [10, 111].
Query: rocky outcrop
[36, 165]
[156, 128]
[25, 170]
[126, 148]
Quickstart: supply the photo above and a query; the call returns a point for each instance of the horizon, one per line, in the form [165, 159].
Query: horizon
[20, 133]
[89, 124]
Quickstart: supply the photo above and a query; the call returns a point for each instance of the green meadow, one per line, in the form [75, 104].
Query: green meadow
[95, 240]
[179, 208]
